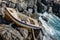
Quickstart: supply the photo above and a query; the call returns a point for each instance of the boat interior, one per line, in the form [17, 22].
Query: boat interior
[21, 17]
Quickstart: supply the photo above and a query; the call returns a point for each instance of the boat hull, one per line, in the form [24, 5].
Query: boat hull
[20, 23]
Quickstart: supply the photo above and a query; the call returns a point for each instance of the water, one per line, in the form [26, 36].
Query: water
[51, 26]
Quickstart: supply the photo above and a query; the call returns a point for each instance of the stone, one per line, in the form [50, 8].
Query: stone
[23, 31]
[9, 33]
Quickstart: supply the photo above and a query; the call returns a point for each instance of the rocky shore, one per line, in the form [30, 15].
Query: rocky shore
[31, 8]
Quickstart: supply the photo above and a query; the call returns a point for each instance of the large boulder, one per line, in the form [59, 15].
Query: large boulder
[9, 33]
[23, 31]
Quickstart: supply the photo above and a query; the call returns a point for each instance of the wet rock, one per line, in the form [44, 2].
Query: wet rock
[40, 7]
[0, 1]
[56, 9]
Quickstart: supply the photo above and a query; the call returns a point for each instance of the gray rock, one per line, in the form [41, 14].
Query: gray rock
[18, 6]
[9, 33]
[23, 31]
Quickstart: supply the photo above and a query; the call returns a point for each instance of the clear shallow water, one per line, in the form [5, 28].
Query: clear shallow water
[52, 26]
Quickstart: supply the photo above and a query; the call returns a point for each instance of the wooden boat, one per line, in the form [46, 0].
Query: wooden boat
[21, 19]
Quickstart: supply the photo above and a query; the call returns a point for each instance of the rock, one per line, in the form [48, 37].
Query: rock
[23, 31]
[9, 33]
[18, 6]
[11, 4]
[40, 7]
[14, 1]
[0, 1]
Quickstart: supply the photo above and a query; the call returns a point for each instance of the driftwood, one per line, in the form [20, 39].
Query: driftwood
[33, 35]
